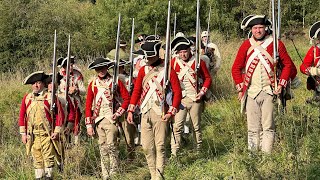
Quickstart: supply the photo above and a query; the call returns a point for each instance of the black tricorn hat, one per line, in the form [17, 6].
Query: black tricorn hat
[314, 31]
[121, 63]
[61, 62]
[141, 38]
[152, 38]
[35, 77]
[252, 20]
[100, 62]
[192, 39]
[49, 79]
[124, 63]
[180, 43]
[149, 49]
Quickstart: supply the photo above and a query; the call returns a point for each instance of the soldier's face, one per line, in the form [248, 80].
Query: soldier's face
[37, 86]
[50, 87]
[258, 31]
[102, 71]
[184, 54]
[204, 39]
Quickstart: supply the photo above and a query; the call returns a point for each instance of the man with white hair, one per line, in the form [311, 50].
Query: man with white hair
[210, 50]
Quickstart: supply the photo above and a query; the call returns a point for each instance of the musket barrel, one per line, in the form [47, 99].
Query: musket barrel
[68, 69]
[175, 25]
[116, 64]
[54, 71]
[131, 58]
[197, 62]
[279, 20]
[208, 30]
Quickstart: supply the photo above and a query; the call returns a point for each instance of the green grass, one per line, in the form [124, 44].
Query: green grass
[224, 155]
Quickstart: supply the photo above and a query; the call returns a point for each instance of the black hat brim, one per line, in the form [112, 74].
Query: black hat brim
[253, 20]
[100, 62]
[180, 43]
[314, 31]
[35, 77]
[149, 49]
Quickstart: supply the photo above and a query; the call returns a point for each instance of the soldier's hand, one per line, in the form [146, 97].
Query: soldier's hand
[72, 89]
[166, 117]
[24, 138]
[54, 135]
[239, 96]
[199, 95]
[90, 131]
[67, 131]
[278, 90]
[130, 118]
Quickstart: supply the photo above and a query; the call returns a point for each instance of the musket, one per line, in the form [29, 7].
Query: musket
[276, 57]
[197, 61]
[131, 59]
[54, 77]
[174, 25]
[116, 76]
[155, 29]
[166, 77]
[67, 73]
[208, 30]
[54, 99]
[300, 57]
[279, 20]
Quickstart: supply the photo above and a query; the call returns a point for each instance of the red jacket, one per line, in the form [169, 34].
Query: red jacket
[122, 90]
[204, 73]
[23, 120]
[137, 90]
[310, 60]
[242, 58]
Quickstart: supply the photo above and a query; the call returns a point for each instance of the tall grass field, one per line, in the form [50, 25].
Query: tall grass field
[224, 155]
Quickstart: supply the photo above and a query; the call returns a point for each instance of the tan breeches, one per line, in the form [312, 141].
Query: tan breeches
[153, 136]
[261, 128]
[194, 109]
[42, 152]
[109, 149]
[130, 133]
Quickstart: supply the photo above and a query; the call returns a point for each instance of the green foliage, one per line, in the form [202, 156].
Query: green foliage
[27, 26]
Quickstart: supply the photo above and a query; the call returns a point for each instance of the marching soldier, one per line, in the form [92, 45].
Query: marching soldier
[69, 113]
[100, 116]
[76, 89]
[213, 53]
[257, 88]
[39, 128]
[311, 63]
[184, 65]
[129, 129]
[148, 90]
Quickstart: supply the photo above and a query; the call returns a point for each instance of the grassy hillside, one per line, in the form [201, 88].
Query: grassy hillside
[224, 156]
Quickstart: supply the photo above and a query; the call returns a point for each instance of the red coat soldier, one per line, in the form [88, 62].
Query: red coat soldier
[311, 63]
[257, 87]
[184, 64]
[100, 115]
[148, 93]
[39, 128]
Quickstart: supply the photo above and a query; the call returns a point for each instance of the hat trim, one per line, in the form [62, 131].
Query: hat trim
[253, 17]
[188, 43]
[245, 19]
[32, 74]
[152, 53]
[316, 33]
